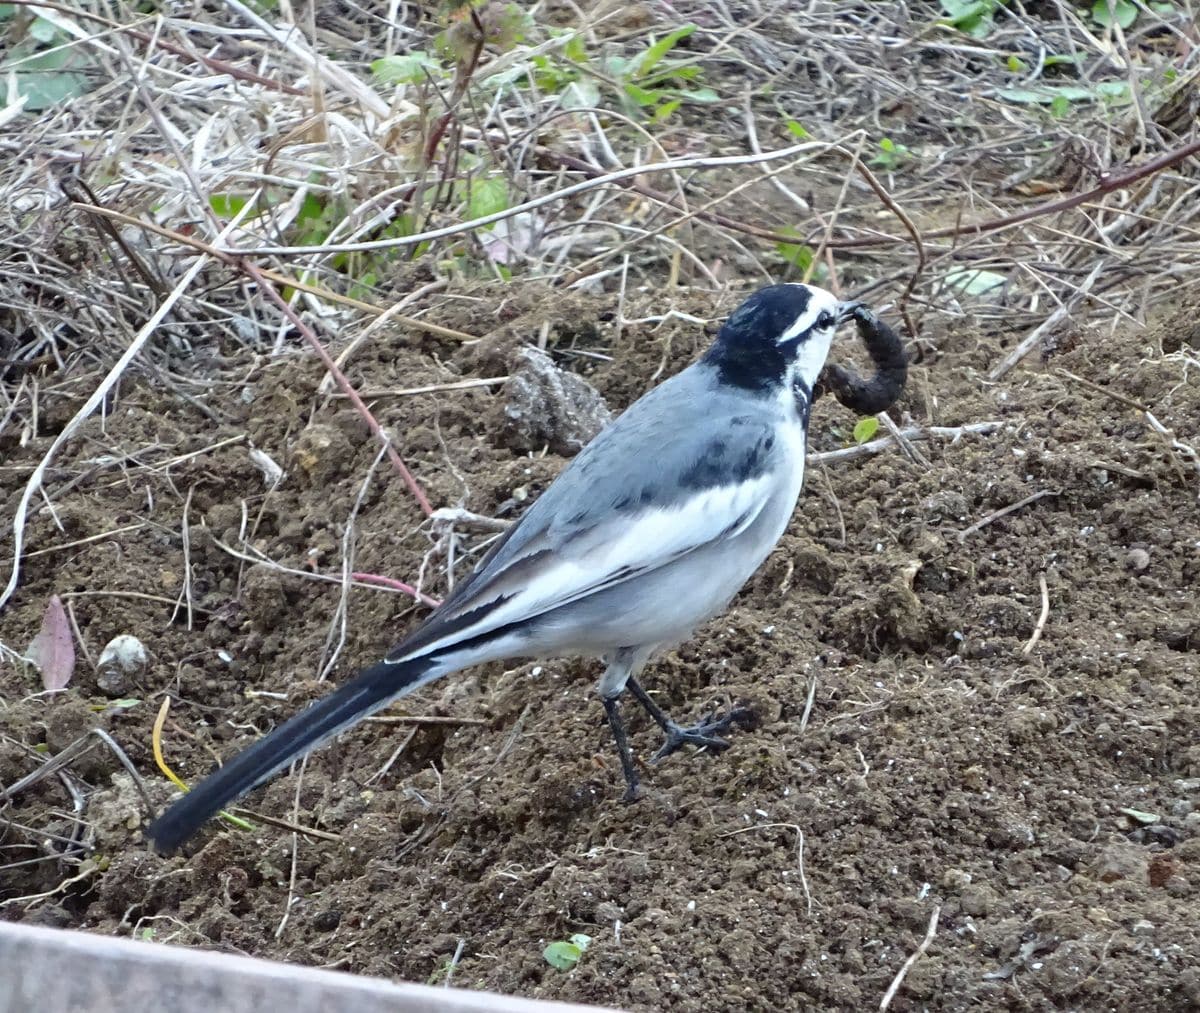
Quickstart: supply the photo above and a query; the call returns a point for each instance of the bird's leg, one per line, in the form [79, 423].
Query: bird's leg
[613, 709]
[702, 733]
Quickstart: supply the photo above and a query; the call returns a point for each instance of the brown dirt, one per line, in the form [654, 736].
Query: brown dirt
[941, 765]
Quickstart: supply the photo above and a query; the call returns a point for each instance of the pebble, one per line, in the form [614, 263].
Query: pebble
[1138, 560]
[124, 657]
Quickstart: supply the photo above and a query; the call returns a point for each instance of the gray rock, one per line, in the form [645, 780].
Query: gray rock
[548, 406]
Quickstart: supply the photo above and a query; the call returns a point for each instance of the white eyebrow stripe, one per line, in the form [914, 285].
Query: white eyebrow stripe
[803, 323]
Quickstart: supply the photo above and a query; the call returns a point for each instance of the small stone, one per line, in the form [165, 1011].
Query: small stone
[1121, 860]
[976, 901]
[607, 911]
[323, 452]
[1178, 886]
[327, 921]
[123, 658]
[1138, 560]
[263, 596]
[974, 777]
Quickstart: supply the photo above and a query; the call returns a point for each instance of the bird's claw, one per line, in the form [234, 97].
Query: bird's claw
[703, 734]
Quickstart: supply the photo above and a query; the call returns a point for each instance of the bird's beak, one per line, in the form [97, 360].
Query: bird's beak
[845, 310]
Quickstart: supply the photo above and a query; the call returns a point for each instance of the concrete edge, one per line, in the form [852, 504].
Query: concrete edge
[59, 969]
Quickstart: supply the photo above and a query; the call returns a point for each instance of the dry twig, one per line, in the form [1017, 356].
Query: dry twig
[916, 955]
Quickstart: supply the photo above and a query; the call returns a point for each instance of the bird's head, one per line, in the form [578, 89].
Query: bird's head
[780, 335]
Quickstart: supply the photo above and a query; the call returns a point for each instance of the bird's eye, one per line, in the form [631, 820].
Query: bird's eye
[826, 319]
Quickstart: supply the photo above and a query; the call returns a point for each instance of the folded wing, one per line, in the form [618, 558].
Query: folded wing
[580, 538]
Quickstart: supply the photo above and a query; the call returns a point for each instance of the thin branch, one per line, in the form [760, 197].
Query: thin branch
[1041, 623]
[89, 406]
[287, 281]
[1031, 340]
[211, 62]
[890, 203]
[916, 955]
[620, 175]
[1005, 511]
[951, 433]
[340, 378]
[1109, 182]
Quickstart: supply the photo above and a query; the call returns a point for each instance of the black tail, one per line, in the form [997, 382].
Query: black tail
[366, 693]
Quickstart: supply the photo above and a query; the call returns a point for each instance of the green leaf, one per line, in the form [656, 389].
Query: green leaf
[488, 196]
[701, 95]
[1123, 12]
[665, 109]
[581, 95]
[796, 254]
[972, 281]
[651, 58]
[1113, 91]
[1058, 59]
[865, 429]
[1116, 92]
[1060, 107]
[670, 73]
[1015, 64]
[891, 155]
[406, 68]
[510, 27]
[226, 205]
[311, 209]
[43, 31]
[364, 287]
[575, 50]
[562, 956]
[642, 96]
[315, 220]
[796, 130]
[615, 66]
[958, 11]
[46, 79]
[973, 17]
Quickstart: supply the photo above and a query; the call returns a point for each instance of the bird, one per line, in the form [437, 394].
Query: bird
[648, 532]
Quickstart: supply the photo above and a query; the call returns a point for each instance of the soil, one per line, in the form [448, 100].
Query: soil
[915, 750]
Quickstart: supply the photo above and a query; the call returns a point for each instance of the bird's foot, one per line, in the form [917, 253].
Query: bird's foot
[703, 734]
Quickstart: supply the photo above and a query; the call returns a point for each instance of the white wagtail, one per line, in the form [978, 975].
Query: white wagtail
[649, 532]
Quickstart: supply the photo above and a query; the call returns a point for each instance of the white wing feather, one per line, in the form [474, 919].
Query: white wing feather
[623, 547]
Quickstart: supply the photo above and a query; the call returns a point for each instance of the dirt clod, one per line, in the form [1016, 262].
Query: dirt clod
[548, 406]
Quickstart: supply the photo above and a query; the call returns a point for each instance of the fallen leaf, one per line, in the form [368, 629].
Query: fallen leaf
[53, 652]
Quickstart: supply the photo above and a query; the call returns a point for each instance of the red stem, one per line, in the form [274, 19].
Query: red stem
[340, 378]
